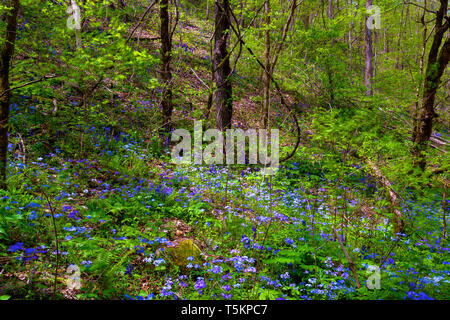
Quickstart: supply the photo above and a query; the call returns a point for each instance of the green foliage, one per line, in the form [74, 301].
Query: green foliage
[89, 168]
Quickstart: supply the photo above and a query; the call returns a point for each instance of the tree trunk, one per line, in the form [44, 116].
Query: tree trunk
[415, 108]
[386, 41]
[350, 31]
[165, 72]
[328, 66]
[266, 75]
[368, 67]
[437, 62]
[330, 9]
[223, 95]
[6, 54]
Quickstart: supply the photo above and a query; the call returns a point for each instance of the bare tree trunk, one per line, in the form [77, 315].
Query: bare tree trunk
[368, 67]
[399, 62]
[416, 107]
[6, 54]
[330, 9]
[437, 62]
[223, 95]
[386, 41]
[398, 219]
[350, 31]
[305, 19]
[328, 66]
[165, 73]
[361, 49]
[266, 75]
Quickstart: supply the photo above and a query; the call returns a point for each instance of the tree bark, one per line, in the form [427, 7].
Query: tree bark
[223, 94]
[266, 75]
[368, 67]
[6, 54]
[437, 62]
[416, 107]
[350, 31]
[165, 72]
[330, 9]
[328, 66]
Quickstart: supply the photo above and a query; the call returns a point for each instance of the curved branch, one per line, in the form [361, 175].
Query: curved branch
[140, 21]
[283, 101]
[27, 84]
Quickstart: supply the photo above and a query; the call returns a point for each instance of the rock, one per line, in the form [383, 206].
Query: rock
[185, 248]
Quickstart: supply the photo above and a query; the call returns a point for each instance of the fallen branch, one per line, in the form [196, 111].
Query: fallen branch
[196, 75]
[392, 195]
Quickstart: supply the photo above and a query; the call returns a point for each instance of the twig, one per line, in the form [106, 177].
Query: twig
[28, 83]
[425, 9]
[52, 211]
[350, 262]
[195, 74]
[140, 21]
[283, 101]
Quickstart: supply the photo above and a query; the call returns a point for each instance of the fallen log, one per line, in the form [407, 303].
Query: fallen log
[399, 225]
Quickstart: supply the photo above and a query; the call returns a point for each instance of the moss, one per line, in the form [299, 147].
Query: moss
[186, 248]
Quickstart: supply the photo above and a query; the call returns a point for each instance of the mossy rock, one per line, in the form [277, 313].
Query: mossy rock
[186, 248]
